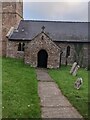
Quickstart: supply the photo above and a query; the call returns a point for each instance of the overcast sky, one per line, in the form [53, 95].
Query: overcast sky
[61, 11]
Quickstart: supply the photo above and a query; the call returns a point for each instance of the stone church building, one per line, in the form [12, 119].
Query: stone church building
[46, 44]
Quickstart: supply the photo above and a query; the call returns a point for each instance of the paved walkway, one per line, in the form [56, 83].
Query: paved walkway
[53, 103]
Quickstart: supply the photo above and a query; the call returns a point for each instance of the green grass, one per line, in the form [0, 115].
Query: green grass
[20, 90]
[65, 81]
[0, 88]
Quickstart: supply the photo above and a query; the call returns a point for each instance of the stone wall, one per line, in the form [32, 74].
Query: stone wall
[85, 54]
[19, 8]
[83, 61]
[10, 18]
[12, 50]
[64, 46]
[0, 29]
[33, 47]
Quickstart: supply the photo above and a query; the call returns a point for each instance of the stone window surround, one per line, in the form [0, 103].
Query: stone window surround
[21, 46]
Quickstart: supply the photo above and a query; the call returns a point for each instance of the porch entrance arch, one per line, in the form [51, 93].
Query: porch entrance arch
[42, 59]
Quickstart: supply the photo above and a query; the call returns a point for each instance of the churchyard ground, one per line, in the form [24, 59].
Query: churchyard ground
[20, 89]
[19, 85]
[65, 81]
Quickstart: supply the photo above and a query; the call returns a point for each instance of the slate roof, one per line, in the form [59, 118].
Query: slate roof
[56, 30]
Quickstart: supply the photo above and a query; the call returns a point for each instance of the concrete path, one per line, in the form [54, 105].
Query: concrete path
[53, 103]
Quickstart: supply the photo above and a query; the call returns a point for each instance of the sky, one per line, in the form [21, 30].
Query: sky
[77, 10]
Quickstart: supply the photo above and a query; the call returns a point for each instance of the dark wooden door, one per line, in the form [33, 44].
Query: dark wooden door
[42, 59]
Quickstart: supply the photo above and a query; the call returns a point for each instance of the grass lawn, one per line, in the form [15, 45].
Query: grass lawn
[65, 81]
[20, 90]
[0, 88]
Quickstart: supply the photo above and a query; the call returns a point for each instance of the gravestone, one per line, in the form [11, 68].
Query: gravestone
[78, 83]
[73, 67]
[75, 71]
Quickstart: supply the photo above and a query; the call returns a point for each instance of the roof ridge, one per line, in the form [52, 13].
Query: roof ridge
[54, 21]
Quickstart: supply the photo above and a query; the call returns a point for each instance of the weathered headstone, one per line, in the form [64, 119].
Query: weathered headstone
[73, 67]
[78, 83]
[75, 71]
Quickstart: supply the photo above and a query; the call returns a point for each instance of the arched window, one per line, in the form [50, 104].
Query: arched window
[68, 51]
[19, 47]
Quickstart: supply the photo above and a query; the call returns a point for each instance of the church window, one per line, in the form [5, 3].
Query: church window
[68, 51]
[21, 46]
[42, 37]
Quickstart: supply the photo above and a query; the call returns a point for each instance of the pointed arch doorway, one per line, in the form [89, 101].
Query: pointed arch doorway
[42, 59]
